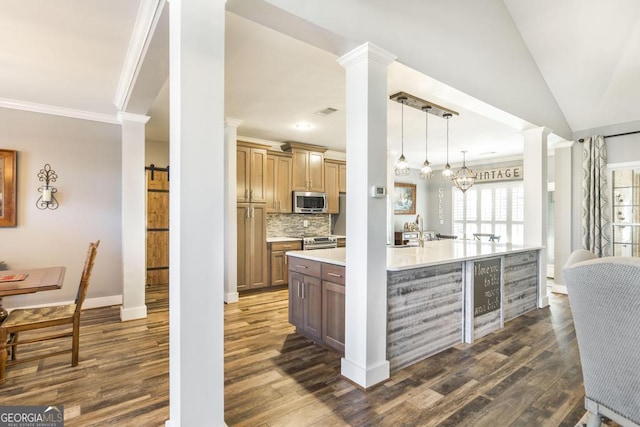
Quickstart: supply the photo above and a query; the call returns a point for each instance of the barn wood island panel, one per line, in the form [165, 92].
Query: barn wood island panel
[438, 296]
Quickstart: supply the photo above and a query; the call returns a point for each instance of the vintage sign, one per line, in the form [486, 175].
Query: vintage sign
[486, 286]
[504, 173]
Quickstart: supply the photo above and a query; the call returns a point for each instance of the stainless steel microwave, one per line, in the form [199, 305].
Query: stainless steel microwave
[309, 202]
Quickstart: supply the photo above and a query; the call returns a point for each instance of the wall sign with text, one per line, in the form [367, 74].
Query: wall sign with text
[505, 173]
[486, 286]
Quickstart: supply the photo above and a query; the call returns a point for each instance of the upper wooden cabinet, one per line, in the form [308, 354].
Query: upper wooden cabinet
[331, 187]
[278, 182]
[308, 166]
[342, 177]
[251, 171]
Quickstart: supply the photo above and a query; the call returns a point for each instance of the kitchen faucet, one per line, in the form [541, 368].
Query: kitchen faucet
[420, 224]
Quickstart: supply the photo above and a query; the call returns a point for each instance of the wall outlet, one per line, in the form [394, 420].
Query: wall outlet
[305, 223]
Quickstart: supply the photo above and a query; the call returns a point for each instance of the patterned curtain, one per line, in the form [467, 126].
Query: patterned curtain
[596, 227]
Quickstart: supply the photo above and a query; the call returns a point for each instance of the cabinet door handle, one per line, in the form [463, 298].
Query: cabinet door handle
[248, 213]
[301, 266]
[303, 286]
[334, 274]
[286, 261]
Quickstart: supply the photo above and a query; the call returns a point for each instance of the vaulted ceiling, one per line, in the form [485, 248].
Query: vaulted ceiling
[585, 54]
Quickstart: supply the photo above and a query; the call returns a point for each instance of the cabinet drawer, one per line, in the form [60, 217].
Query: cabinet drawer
[333, 273]
[294, 245]
[304, 266]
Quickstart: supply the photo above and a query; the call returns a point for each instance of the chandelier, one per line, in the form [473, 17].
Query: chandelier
[465, 178]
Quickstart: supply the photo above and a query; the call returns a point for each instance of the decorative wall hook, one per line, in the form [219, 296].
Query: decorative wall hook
[47, 199]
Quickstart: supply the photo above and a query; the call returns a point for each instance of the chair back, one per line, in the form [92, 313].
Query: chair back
[445, 236]
[86, 274]
[604, 294]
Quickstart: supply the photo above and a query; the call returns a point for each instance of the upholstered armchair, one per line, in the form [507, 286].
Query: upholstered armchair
[604, 294]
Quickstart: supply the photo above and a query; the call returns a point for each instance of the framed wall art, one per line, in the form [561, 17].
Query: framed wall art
[8, 179]
[404, 199]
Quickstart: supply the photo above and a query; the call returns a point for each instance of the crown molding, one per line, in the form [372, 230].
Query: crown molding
[146, 21]
[55, 110]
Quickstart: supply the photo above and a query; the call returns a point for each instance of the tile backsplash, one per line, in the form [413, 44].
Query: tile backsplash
[292, 225]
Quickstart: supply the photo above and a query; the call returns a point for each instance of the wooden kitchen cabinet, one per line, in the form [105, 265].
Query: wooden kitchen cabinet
[305, 304]
[307, 166]
[278, 267]
[342, 177]
[251, 172]
[252, 246]
[333, 311]
[331, 186]
[316, 293]
[278, 183]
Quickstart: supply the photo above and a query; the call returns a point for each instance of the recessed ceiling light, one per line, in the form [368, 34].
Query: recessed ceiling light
[303, 126]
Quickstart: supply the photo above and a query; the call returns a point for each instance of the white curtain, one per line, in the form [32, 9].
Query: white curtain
[596, 227]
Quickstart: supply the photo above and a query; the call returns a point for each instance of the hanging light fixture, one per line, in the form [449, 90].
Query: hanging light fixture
[447, 172]
[465, 177]
[402, 166]
[426, 172]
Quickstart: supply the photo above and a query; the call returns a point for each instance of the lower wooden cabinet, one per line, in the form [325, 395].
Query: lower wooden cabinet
[305, 304]
[278, 270]
[316, 301]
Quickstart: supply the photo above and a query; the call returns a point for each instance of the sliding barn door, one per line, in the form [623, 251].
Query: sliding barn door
[157, 226]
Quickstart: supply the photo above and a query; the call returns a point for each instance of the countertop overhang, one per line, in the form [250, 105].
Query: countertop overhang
[433, 253]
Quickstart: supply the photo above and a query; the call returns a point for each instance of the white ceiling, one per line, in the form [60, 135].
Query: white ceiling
[70, 53]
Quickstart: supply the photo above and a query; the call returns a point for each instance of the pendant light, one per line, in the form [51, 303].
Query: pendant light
[426, 172]
[402, 166]
[465, 178]
[447, 172]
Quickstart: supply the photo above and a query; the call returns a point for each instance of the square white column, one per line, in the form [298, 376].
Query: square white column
[365, 361]
[535, 201]
[196, 248]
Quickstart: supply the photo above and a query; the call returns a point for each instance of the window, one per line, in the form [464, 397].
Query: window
[626, 211]
[496, 208]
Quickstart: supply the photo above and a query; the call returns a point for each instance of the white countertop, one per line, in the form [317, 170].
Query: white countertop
[283, 239]
[335, 256]
[433, 253]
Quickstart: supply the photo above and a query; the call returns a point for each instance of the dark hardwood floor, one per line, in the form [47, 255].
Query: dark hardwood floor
[526, 374]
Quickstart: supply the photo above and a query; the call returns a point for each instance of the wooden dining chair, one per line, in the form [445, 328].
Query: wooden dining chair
[28, 319]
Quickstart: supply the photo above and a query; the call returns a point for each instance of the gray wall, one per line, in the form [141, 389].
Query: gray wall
[86, 156]
[422, 200]
[157, 153]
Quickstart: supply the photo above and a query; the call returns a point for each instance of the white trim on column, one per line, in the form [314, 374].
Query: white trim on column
[55, 110]
[130, 117]
[231, 230]
[146, 21]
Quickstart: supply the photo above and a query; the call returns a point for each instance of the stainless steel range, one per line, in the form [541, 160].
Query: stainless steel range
[319, 242]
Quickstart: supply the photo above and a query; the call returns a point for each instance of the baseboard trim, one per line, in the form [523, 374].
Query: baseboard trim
[133, 313]
[88, 303]
[231, 297]
[364, 377]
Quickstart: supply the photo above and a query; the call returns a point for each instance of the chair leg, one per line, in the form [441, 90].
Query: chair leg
[13, 339]
[75, 350]
[3, 354]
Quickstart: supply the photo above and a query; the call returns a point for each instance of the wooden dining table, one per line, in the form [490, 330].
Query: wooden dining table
[36, 280]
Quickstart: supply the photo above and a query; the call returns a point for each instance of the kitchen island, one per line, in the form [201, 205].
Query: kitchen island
[442, 294]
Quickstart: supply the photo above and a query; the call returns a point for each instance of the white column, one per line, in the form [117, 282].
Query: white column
[197, 184]
[535, 201]
[562, 217]
[365, 360]
[134, 197]
[230, 220]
